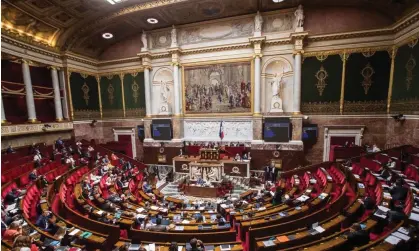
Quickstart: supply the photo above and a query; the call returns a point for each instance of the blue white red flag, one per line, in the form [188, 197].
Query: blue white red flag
[221, 131]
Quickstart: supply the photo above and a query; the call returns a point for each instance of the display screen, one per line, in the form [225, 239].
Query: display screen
[161, 129]
[140, 130]
[276, 130]
[310, 132]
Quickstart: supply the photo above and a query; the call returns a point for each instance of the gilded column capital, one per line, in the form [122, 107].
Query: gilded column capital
[175, 64]
[344, 56]
[295, 52]
[257, 55]
[52, 67]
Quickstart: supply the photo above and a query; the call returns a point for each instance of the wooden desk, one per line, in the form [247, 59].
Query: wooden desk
[199, 191]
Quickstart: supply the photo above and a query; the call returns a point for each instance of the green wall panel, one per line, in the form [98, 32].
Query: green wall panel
[400, 90]
[134, 94]
[85, 106]
[380, 62]
[111, 93]
[309, 91]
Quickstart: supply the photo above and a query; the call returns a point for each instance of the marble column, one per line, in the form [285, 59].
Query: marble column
[181, 92]
[297, 83]
[257, 87]
[177, 88]
[3, 114]
[57, 95]
[61, 78]
[147, 91]
[30, 102]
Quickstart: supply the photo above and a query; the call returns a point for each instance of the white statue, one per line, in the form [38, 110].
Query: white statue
[299, 17]
[144, 41]
[174, 37]
[164, 92]
[276, 101]
[258, 24]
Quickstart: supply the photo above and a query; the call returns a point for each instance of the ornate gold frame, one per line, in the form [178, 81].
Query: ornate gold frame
[225, 61]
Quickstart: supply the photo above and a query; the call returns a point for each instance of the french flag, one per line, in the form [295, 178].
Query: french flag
[221, 134]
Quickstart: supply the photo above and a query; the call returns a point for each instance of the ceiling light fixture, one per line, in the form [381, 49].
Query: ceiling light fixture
[277, 1]
[107, 35]
[152, 20]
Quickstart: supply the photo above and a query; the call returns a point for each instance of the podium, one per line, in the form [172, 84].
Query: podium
[209, 154]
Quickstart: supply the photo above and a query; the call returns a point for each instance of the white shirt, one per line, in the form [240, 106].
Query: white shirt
[37, 157]
[376, 149]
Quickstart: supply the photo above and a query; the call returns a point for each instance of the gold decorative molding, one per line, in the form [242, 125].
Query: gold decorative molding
[35, 127]
[365, 107]
[321, 76]
[121, 77]
[405, 106]
[70, 99]
[86, 114]
[135, 91]
[344, 56]
[410, 65]
[135, 112]
[320, 108]
[392, 53]
[100, 95]
[367, 73]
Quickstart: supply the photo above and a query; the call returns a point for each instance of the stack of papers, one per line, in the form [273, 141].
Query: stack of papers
[75, 231]
[267, 243]
[356, 176]
[360, 185]
[303, 198]
[392, 240]
[140, 210]
[261, 208]
[414, 216]
[185, 222]
[179, 228]
[381, 212]
[323, 196]
[401, 236]
[152, 247]
[100, 212]
[403, 230]
[319, 229]
[154, 208]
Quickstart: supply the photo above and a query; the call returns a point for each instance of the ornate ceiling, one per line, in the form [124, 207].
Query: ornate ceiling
[77, 25]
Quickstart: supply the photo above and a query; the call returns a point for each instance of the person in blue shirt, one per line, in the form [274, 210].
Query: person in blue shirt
[200, 181]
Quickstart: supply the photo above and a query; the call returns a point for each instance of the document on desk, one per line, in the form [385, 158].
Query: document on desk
[100, 212]
[180, 248]
[11, 207]
[179, 228]
[140, 210]
[303, 198]
[185, 222]
[152, 247]
[414, 216]
[360, 185]
[268, 243]
[401, 236]
[154, 208]
[75, 231]
[356, 176]
[403, 230]
[319, 229]
[392, 240]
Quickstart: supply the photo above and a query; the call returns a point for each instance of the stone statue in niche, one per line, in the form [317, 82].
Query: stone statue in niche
[144, 41]
[258, 25]
[164, 97]
[174, 37]
[276, 101]
[299, 18]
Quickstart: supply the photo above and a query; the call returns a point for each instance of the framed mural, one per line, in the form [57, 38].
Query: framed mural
[217, 88]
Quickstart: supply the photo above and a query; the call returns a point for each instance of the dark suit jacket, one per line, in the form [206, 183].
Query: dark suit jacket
[359, 238]
[399, 193]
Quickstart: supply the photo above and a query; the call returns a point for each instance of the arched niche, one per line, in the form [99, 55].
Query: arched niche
[277, 65]
[162, 75]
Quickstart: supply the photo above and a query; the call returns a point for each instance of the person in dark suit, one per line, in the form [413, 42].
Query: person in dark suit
[158, 227]
[156, 171]
[357, 236]
[44, 222]
[12, 196]
[196, 245]
[277, 199]
[119, 182]
[10, 149]
[399, 192]
[268, 172]
[33, 175]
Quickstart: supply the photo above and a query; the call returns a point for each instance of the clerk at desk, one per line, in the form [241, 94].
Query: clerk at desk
[200, 181]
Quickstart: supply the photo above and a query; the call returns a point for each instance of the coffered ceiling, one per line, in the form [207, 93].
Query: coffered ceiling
[77, 25]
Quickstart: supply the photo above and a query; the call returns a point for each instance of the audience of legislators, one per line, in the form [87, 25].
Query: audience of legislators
[14, 230]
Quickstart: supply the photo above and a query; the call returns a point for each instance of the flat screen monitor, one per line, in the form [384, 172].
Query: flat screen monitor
[276, 129]
[140, 130]
[310, 132]
[161, 129]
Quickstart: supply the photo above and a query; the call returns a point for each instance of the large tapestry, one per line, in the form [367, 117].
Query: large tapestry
[218, 88]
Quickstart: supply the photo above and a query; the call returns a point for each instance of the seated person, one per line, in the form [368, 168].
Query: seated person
[200, 181]
[37, 160]
[119, 182]
[375, 148]
[146, 187]
[45, 223]
[369, 203]
[357, 235]
[196, 245]
[10, 149]
[14, 230]
[237, 158]
[70, 161]
[385, 173]
[399, 192]
[86, 186]
[90, 149]
[277, 198]
[12, 196]
[158, 227]
[391, 164]
[219, 219]
[113, 157]
[59, 142]
[115, 198]
[98, 157]
[24, 243]
[70, 149]
[245, 157]
[33, 175]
